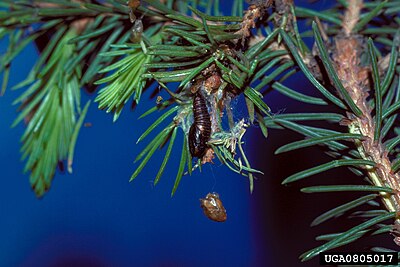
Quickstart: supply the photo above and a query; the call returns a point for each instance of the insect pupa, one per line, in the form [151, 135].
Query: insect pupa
[200, 131]
[213, 207]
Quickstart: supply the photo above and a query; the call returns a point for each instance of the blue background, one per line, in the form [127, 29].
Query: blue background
[95, 217]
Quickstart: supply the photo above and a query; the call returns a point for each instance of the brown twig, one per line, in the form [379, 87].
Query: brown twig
[79, 24]
[351, 16]
[354, 77]
[251, 15]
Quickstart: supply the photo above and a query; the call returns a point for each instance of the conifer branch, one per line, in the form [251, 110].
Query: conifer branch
[191, 50]
[50, 108]
[349, 76]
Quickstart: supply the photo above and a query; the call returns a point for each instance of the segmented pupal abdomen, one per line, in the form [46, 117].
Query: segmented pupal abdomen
[200, 131]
